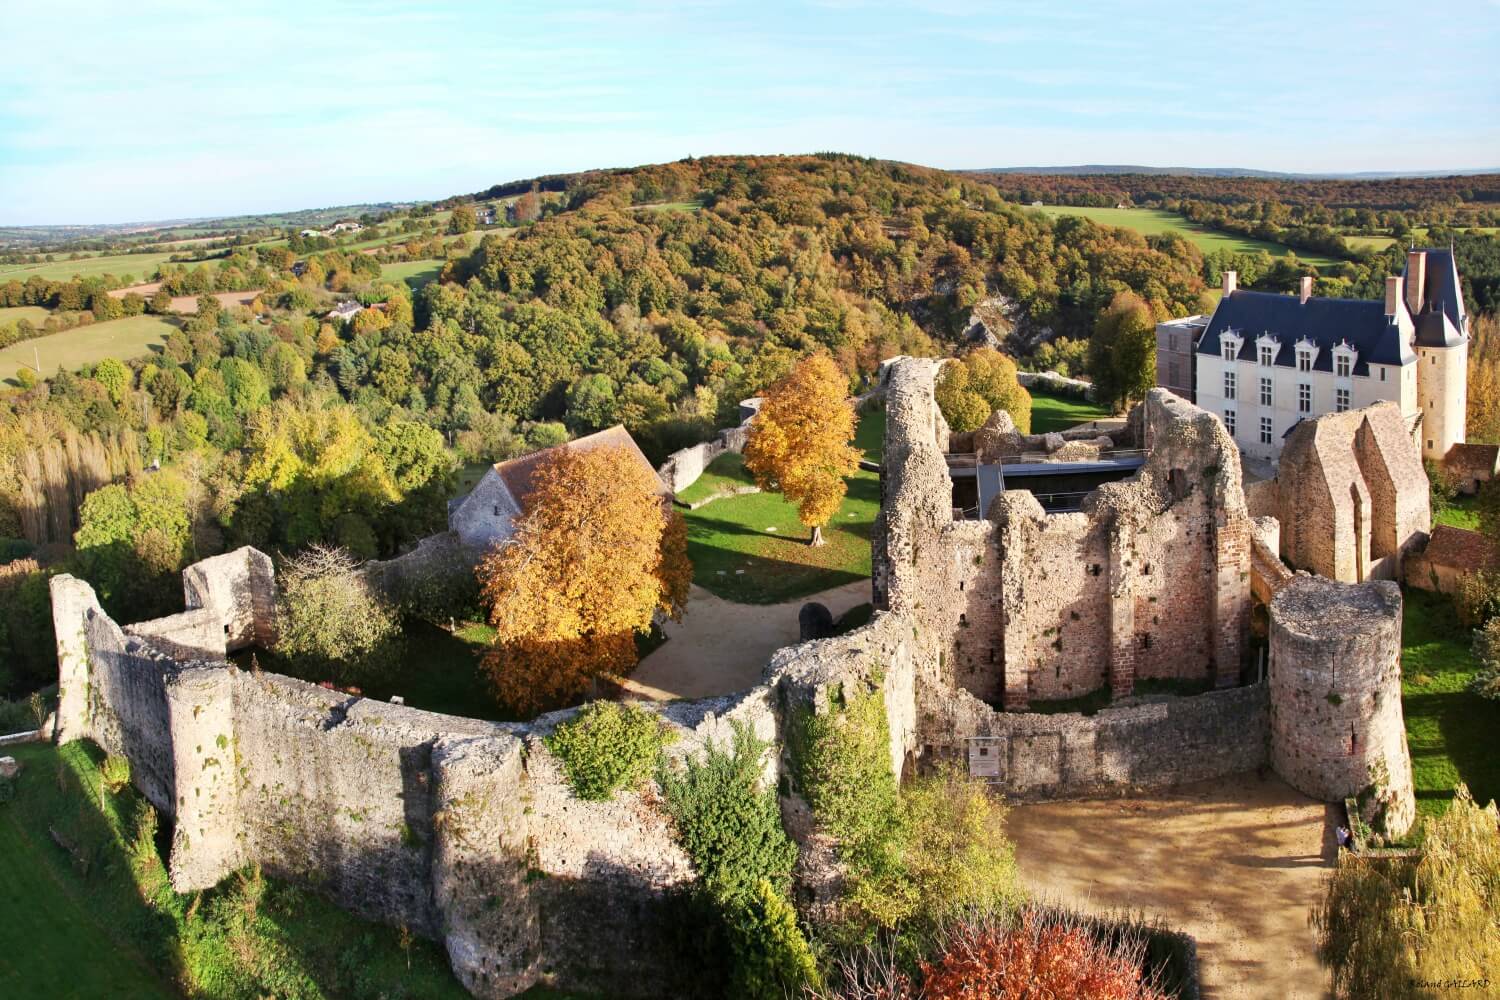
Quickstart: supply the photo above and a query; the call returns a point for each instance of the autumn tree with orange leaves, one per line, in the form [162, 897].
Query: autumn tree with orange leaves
[596, 553]
[799, 441]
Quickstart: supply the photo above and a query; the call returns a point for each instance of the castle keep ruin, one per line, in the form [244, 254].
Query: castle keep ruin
[466, 831]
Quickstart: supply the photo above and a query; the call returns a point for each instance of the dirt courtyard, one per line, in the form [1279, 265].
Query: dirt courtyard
[721, 647]
[1237, 863]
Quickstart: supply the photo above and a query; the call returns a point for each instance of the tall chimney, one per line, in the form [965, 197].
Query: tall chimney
[1305, 291]
[1416, 280]
[1231, 282]
[1392, 293]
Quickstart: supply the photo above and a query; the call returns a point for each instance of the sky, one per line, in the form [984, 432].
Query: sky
[118, 112]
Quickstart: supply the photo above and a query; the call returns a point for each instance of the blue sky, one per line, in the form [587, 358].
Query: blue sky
[123, 112]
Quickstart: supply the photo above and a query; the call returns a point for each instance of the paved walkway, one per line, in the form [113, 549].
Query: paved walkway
[1237, 863]
[721, 647]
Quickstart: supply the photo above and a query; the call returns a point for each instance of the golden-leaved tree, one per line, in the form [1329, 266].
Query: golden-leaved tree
[976, 385]
[595, 554]
[799, 441]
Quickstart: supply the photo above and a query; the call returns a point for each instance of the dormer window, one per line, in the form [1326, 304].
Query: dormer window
[1343, 360]
[1266, 348]
[1230, 344]
[1307, 353]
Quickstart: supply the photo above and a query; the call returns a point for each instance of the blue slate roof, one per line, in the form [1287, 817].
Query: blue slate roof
[1375, 337]
[1442, 321]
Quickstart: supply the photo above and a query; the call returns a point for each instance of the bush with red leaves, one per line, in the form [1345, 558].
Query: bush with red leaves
[1041, 955]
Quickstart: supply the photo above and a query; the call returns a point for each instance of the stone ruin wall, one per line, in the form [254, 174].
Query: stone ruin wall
[1180, 559]
[459, 830]
[1335, 679]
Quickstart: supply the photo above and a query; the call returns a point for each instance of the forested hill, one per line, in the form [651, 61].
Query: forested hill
[657, 297]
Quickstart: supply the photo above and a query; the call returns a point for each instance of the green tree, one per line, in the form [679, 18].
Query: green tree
[1122, 351]
[463, 220]
[327, 613]
[115, 378]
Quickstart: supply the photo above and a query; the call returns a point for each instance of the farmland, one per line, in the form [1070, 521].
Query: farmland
[130, 337]
[1151, 221]
[35, 315]
[141, 265]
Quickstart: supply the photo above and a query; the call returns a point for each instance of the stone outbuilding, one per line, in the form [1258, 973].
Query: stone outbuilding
[1472, 464]
[1351, 495]
[485, 515]
[1451, 554]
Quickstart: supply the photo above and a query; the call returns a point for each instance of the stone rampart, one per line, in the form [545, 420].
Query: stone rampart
[459, 830]
[682, 468]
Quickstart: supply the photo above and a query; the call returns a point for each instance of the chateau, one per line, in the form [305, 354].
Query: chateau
[1263, 362]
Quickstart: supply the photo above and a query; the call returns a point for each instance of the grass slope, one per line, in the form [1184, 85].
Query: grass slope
[126, 338]
[753, 549]
[1057, 413]
[1150, 221]
[1461, 512]
[109, 925]
[415, 273]
[1450, 731]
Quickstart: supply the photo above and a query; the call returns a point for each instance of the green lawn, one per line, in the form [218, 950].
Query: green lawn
[1056, 413]
[671, 206]
[1451, 733]
[415, 273]
[1150, 221]
[1369, 242]
[724, 473]
[131, 337]
[753, 549]
[1462, 512]
[140, 265]
[35, 315]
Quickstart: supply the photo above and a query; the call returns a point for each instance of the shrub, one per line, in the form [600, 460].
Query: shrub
[1476, 599]
[1442, 488]
[328, 614]
[772, 959]
[914, 856]
[115, 773]
[727, 823]
[608, 745]
[1486, 648]
[1043, 954]
[1385, 923]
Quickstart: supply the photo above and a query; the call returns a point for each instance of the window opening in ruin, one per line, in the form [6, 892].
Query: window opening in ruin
[1145, 638]
[1095, 569]
[1177, 482]
[1146, 570]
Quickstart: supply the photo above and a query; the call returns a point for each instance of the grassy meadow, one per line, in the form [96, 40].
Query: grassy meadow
[415, 273]
[753, 549]
[1057, 413]
[1151, 221]
[140, 265]
[36, 315]
[131, 337]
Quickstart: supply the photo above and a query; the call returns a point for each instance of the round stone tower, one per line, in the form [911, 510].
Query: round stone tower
[1337, 729]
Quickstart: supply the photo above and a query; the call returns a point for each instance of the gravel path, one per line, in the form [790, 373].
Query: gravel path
[1237, 863]
[721, 647]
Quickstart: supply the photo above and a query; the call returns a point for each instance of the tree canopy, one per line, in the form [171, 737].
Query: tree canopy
[595, 555]
[799, 440]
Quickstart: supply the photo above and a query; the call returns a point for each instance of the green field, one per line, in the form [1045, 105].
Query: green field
[1369, 242]
[1057, 413]
[1449, 730]
[753, 549]
[1462, 512]
[1150, 221]
[126, 338]
[141, 265]
[36, 315]
[415, 273]
[671, 206]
